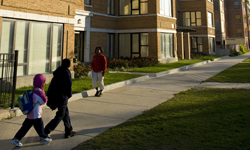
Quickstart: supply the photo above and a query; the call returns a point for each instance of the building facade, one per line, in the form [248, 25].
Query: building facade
[199, 16]
[220, 27]
[237, 22]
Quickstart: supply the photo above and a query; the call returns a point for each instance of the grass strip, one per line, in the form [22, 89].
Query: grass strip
[168, 66]
[247, 60]
[237, 73]
[202, 118]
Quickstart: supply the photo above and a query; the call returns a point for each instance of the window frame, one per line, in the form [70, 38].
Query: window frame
[109, 9]
[87, 3]
[238, 34]
[236, 6]
[110, 52]
[238, 20]
[212, 19]
[131, 8]
[196, 50]
[172, 54]
[131, 45]
[190, 17]
[26, 64]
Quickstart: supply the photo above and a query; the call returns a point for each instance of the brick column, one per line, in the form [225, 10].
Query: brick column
[187, 46]
[180, 48]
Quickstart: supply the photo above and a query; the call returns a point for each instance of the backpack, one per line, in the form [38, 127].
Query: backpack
[25, 101]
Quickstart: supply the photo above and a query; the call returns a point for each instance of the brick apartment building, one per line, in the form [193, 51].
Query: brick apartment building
[47, 31]
[237, 22]
[199, 16]
[220, 27]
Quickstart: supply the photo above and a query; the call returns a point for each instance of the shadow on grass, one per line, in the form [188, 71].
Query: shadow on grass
[194, 119]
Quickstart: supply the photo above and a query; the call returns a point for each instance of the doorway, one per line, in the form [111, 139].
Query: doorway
[79, 46]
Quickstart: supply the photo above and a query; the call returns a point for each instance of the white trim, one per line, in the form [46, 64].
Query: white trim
[202, 35]
[161, 15]
[88, 5]
[131, 30]
[31, 16]
[83, 13]
[195, 27]
[128, 16]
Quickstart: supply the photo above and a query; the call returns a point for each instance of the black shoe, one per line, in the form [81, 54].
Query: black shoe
[70, 134]
[100, 94]
[97, 93]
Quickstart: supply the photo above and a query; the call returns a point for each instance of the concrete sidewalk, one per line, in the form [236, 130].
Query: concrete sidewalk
[90, 116]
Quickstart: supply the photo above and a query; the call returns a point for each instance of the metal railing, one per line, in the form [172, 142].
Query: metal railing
[8, 75]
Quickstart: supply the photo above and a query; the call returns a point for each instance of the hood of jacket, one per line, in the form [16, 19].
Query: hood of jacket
[38, 81]
[59, 71]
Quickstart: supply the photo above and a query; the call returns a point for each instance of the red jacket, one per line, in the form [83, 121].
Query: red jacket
[99, 63]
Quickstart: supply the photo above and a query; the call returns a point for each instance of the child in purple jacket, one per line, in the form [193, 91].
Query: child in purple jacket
[34, 118]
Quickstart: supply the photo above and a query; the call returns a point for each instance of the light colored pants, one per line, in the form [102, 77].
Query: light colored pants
[97, 76]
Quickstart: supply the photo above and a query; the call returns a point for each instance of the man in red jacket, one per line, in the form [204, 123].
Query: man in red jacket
[98, 66]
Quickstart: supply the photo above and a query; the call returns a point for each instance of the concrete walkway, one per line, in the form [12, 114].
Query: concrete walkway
[90, 116]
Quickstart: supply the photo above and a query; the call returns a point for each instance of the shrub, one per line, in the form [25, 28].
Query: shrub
[197, 56]
[242, 49]
[81, 71]
[126, 63]
[233, 52]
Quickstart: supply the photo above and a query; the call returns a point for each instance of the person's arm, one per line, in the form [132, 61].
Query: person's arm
[104, 65]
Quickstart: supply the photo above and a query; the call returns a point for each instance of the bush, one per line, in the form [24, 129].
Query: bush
[197, 56]
[81, 71]
[126, 63]
[243, 50]
[233, 52]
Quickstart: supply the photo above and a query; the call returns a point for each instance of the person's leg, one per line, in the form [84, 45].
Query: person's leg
[54, 122]
[94, 82]
[27, 124]
[67, 124]
[101, 83]
[39, 127]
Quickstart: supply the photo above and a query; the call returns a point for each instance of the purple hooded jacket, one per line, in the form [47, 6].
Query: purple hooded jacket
[39, 97]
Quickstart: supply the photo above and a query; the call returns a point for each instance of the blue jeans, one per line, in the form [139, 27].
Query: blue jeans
[27, 124]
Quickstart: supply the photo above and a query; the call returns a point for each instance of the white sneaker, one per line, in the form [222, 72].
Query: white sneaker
[16, 142]
[45, 140]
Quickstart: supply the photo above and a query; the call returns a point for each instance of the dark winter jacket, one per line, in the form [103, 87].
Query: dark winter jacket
[60, 87]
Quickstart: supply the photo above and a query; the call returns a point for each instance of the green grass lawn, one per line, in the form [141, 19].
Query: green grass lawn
[247, 60]
[237, 73]
[164, 67]
[79, 85]
[193, 120]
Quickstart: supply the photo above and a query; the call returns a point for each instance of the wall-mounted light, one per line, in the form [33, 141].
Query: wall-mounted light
[79, 21]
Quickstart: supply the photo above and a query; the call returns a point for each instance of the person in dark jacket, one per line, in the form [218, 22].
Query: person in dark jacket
[58, 94]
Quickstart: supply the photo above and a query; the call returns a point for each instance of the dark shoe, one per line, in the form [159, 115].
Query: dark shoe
[97, 93]
[100, 94]
[70, 134]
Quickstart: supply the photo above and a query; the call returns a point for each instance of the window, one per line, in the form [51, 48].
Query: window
[167, 45]
[166, 8]
[133, 45]
[87, 2]
[236, 5]
[110, 45]
[39, 45]
[192, 18]
[216, 5]
[133, 7]
[238, 33]
[237, 19]
[210, 19]
[111, 7]
[196, 45]
[217, 26]
[212, 46]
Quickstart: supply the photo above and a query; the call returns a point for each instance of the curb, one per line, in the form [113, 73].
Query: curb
[15, 112]
[159, 74]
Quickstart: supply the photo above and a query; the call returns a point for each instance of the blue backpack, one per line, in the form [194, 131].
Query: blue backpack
[25, 101]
